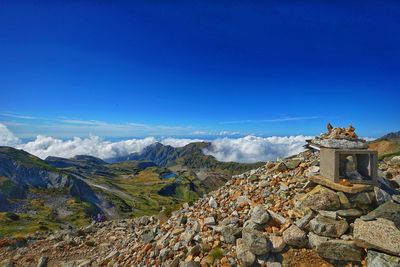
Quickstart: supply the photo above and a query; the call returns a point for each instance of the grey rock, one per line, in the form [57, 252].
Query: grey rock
[147, 236]
[303, 221]
[381, 235]
[277, 243]
[341, 143]
[209, 221]
[188, 235]
[381, 196]
[246, 257]
[280, 167]
[315, 240]
[260, 215]
[378, 259]
[293, 163]
[328, 214]
[335, 249]
[255, 240]
[388, 210]
[344, 201]
[364, 198]
[277, 217]
[321, 198]
[294, 236]
[231, 233]
[252, 225]
[324, 226]
[189, 264]
[349, 213]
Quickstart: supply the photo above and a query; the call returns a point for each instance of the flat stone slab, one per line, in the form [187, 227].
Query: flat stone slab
[340, 143]
[354, 189]
[381, 235]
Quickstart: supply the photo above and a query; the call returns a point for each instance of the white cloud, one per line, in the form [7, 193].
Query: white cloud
[178, 142]
[253, 148]
[245, 149]
[7, 138]
[44, 146]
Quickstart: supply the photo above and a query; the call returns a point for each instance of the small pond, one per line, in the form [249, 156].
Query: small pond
[168, 175]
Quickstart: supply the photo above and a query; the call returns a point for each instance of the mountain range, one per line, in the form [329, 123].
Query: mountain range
[38, 194]
[55, 193]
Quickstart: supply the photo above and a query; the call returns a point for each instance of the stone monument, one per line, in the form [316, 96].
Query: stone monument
[345, 158]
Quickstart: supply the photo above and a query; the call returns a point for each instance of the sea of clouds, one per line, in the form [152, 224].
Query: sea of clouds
[243, 149]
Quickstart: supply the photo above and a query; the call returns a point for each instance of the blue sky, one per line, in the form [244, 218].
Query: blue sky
[198, 68]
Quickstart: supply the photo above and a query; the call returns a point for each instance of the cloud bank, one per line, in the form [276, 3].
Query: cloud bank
[253, 149]
[244, 149]
[7, 138]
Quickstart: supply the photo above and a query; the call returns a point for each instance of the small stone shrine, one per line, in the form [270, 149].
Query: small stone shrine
[344, 158]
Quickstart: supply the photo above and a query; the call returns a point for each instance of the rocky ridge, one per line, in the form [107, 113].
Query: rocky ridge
[270, 216]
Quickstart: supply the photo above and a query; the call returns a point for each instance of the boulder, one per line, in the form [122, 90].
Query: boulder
[260, 215]
[349, 213]
[321, 198]
[256, 241]
[294, 236]
[324, 226]
[335, 249]
[388, 210]
[246, 257]
[280, 167]
[277, 217]
[363, 199]
[378, 259]
[344, 201]
[277, 244]
[252, 225]
[381, 196]
[293, 163]
[303, 221]
[230, 233]
[381, 235]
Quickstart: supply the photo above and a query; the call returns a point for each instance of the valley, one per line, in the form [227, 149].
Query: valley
[57, 193]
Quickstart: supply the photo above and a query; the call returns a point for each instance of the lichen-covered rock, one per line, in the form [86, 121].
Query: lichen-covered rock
[324, 226]
[294, 236]
[255, 240]
[378, 259]
[336, 249]
[277, 243]
[246, 257]
[388, 210]
[382, 235]
[230, 233]
[260, 215]
[321, 198]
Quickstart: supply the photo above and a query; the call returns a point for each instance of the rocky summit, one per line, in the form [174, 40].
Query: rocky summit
[275, 215]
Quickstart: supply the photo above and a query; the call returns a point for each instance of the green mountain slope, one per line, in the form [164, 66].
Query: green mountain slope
[58, 192]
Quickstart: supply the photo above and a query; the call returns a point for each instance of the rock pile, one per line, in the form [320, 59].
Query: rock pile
[340, 138]
[271, 216]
